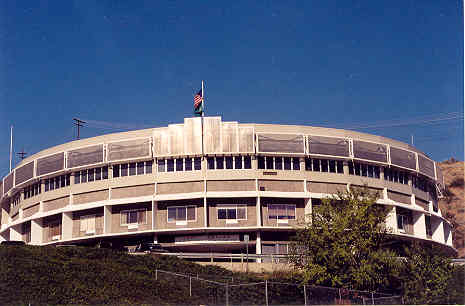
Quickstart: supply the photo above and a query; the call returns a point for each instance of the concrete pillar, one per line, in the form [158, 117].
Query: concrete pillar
[391, 220]
[5, 236]
[258, 246]
[437, 229]
[154, 214]
[447, 234]
[15, 233]
[308, 210]
[302, 163]
[67, 226]
[385, 193]
[107, 219]
[381, 173]
[419, 224]
[259, 212]
[37, 231]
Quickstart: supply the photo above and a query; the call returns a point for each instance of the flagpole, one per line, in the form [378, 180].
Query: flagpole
[202, 114]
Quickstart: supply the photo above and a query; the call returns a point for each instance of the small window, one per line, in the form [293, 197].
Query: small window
[357, 169]
[278, 163]
[351, 168]
[77, 180]
[140, 168]
[364, 170]
[132, 169]
[63, 180]
[287, 163]
[179, 164]
[188, 164]
[197, 163]
[308, 164]
[57, 182]
[261, 162]
[105, 172]
[181, 213]
[115, 170]
[161, 165]
[90, 175]
[386, 174]
[124, 169]
[220, 163]
[332, 166]
[370, 171]
[247, 162]
[211, 163]
[316, 165]
[51, 185]
[281, 211]
[376, 171]
[148, 167]
[232, 212]
[170, 165]
[238, 162]
[136, 216]
[269, 162]
[296, 163]
[84, 176]
[229, 162]
[98, 174]
[324, 165]
[339, 166]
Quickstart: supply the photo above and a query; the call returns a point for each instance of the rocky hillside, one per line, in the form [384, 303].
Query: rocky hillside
[453, 205]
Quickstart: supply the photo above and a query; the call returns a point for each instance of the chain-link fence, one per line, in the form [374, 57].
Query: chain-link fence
[228, 291]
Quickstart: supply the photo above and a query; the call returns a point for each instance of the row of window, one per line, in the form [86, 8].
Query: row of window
[57, 182]
[364, 170]
[130, 169]
[278, 163]
[324, 165]
[229, 162]
[90, 175]
[32, 190]
[179, 164]
[395, 176]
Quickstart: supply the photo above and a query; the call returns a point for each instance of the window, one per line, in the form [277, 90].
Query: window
[132, 169]
[220, 163]
[232, 212]
[179, 164]
[98, 174]
[134, 217]
[87, 224]
[181, 214]
[247, 162]
[261, 162]
[197, 163]
[281, 211]
[332, 166]
[287, 163]
[89, 175]
[188, 164]
[279, 163]
[57, 182]
[324, 165]
[55, 230]
[32, 190]
[269, 162]
[229, 162]
[148, 167]
[316, 165]
[211, 163]
[124, 169]
[116, 171]
[295, 163]
[401, 223]
[161, 165]
[238, 162]
[429, 231]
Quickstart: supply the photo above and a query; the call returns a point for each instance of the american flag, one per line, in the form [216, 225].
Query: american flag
[198, 99]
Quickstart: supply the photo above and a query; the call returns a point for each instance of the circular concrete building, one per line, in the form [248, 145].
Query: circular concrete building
[196, 187]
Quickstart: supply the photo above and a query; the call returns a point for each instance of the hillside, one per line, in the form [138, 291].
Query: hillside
[453, 205]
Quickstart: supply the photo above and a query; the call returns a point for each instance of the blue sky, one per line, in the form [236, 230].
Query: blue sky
[392, 68]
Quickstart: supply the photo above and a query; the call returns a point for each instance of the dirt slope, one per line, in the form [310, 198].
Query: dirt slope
[453, 205]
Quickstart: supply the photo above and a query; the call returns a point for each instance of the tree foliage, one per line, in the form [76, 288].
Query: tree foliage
[342, 244]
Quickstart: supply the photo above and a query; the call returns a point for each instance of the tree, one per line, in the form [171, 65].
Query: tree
[429, 278]
[342, 243]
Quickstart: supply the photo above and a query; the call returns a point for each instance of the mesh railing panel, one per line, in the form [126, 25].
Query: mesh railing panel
[229, 137]
[176, 138]
[193, 136]
[328, 146]
[85, 156]
[212, 132]
[246, 140]
[281, 143]
[50, 163]
[24, 173]
[403, 158]
[136, 148]
[8, 182]
[370, 151]
[426, 166]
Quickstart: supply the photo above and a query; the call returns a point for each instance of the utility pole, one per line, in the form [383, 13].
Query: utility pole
[78, 123]
[22, 154]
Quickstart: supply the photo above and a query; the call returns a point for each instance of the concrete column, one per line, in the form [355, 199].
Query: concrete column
[391, 220]
[259, 212]
[419, 224]
[67, 226]
[447, 233]
[107, 219]
[308, 210]
[302, 163]
[205, 211]
[385, 193]
[258, 246]
[5, 236]
[438, 229]
[154, 214]
[37, 231]
[345, 167]
[15, 233]
[381, 173]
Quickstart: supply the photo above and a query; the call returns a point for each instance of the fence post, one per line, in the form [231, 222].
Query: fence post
[190, 286]
[340, 299]
[266, 292]
[372, 299]
[156, 274]
[227, 295]
[305, 296]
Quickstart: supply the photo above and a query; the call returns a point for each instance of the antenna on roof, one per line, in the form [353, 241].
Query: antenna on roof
[22, 154]
[11, 145]
[78, 123]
